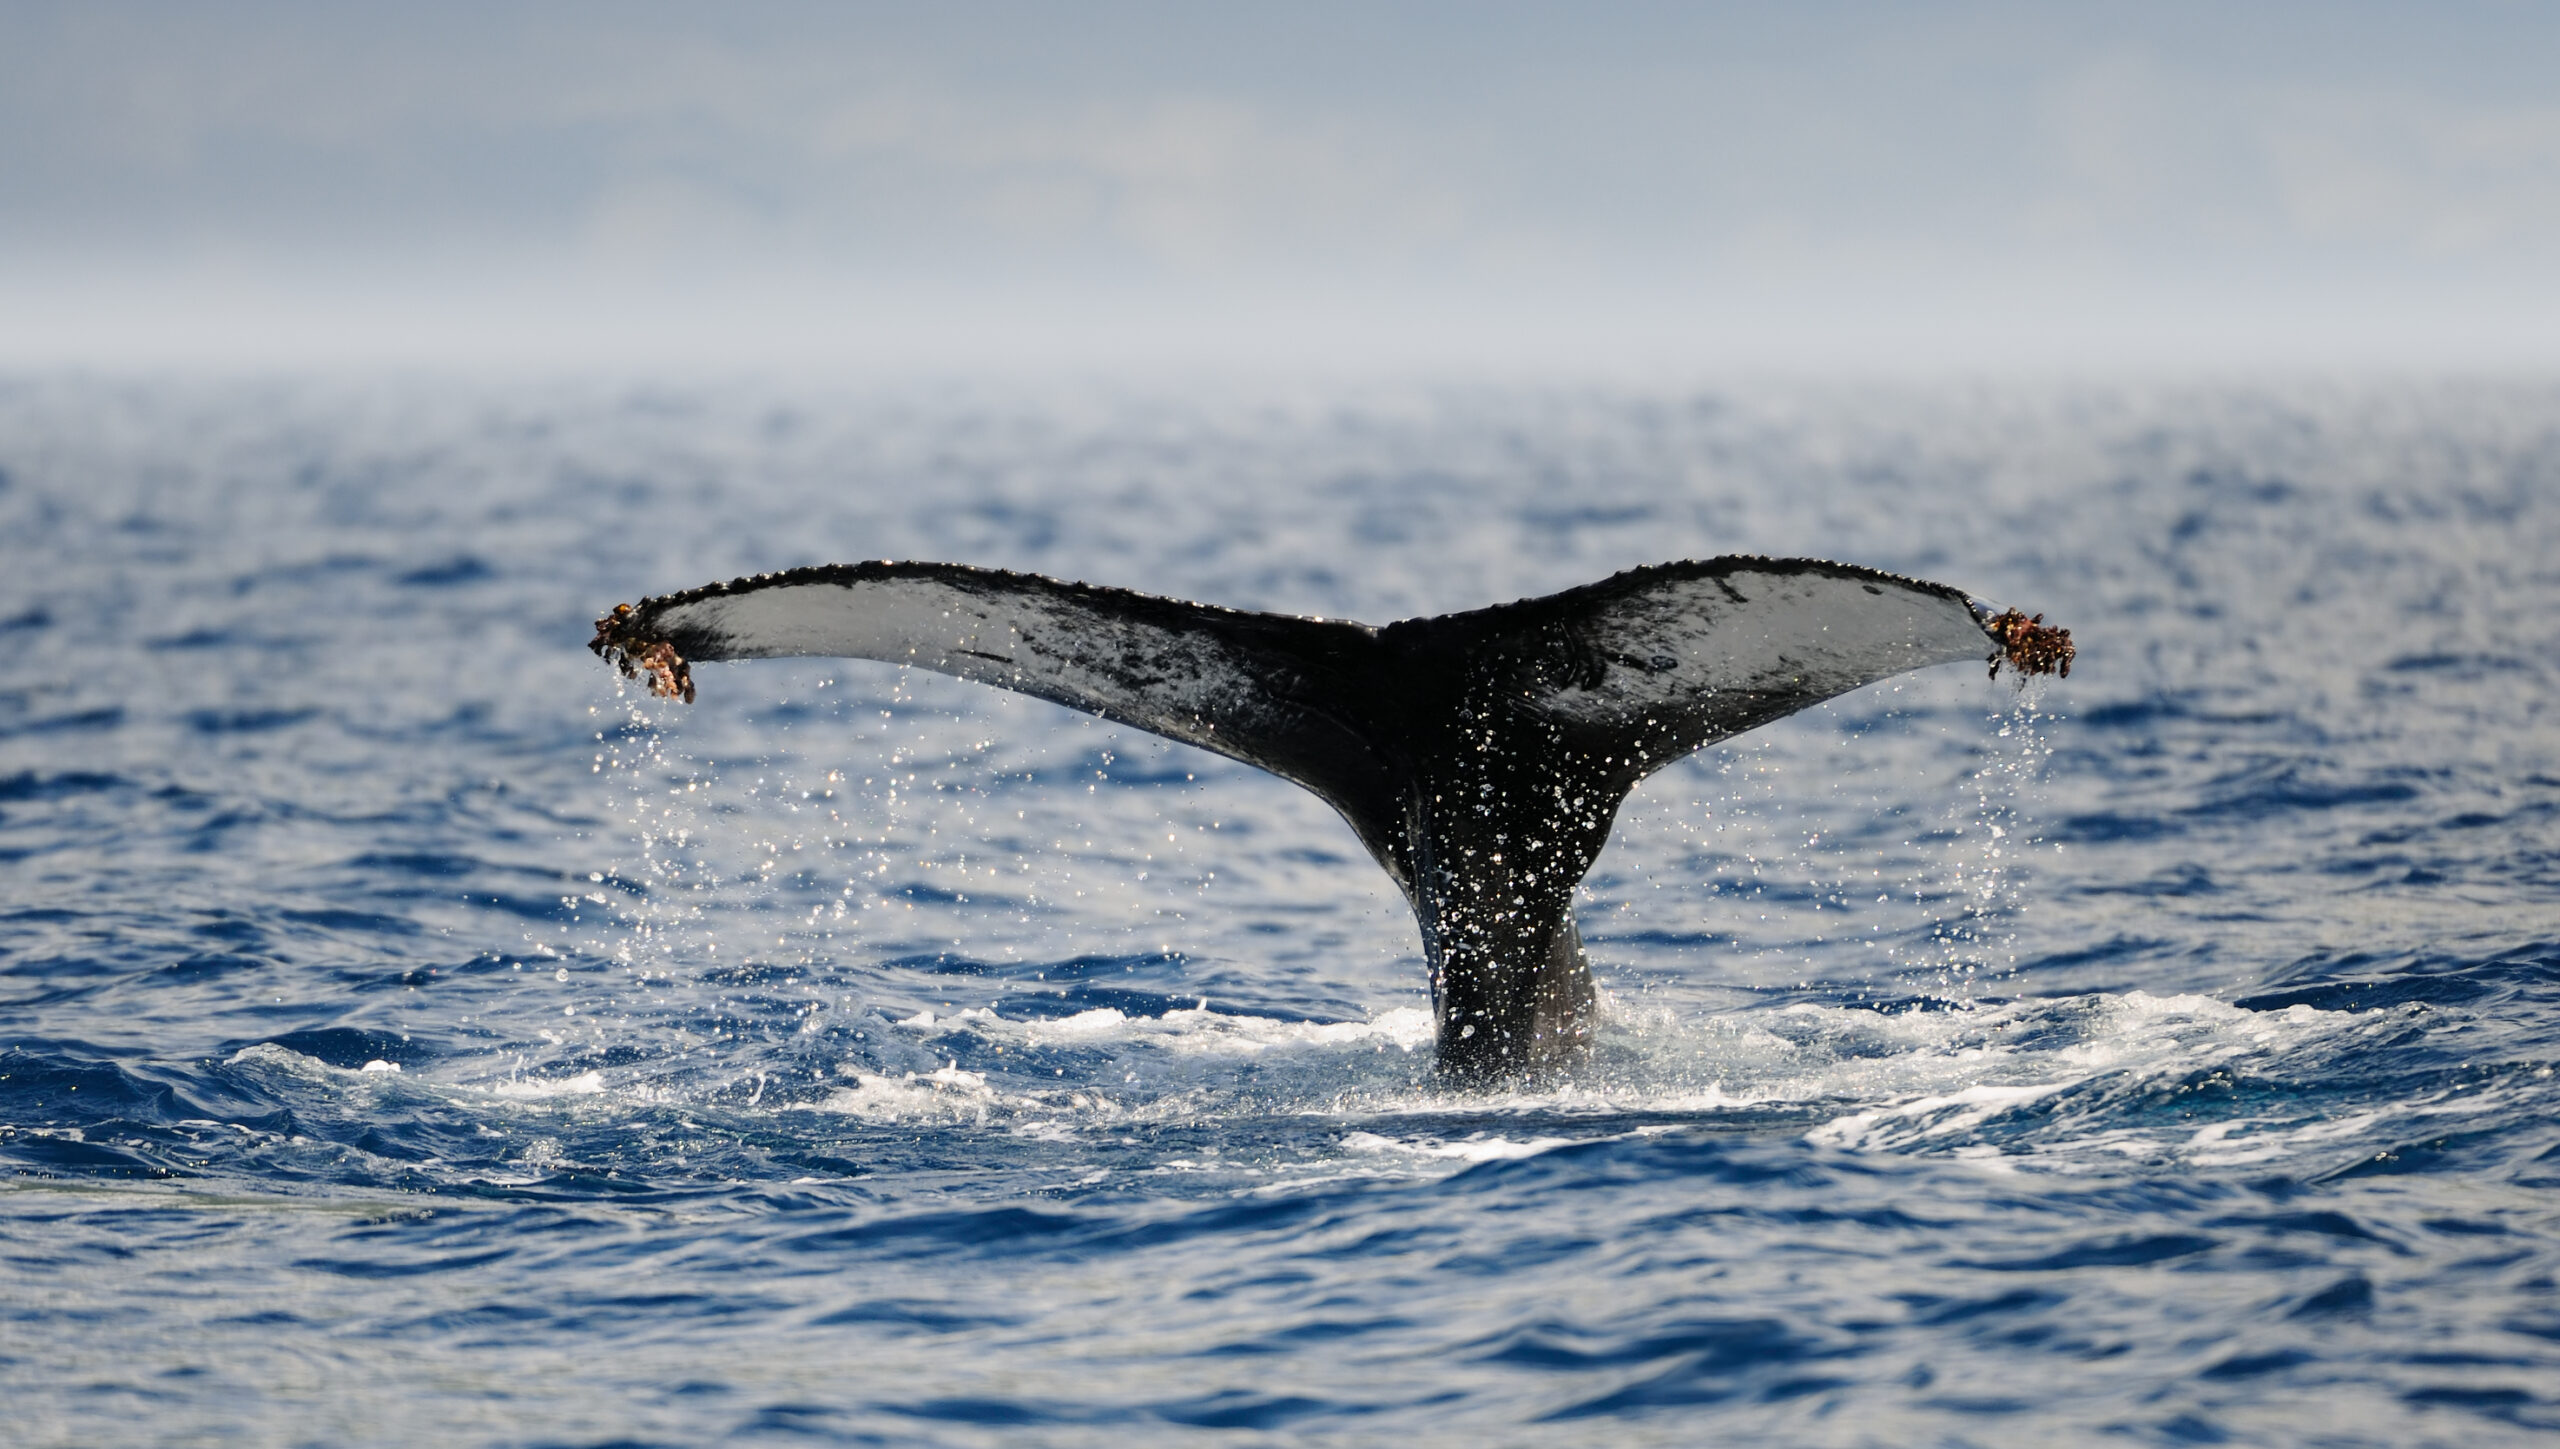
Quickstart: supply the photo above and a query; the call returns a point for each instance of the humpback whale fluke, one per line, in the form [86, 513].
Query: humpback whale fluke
[1479, 756]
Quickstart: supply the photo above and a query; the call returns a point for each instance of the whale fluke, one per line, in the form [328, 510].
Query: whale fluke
[1480, 757]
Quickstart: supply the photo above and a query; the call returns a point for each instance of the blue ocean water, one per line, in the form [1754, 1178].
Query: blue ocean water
[408, 1034]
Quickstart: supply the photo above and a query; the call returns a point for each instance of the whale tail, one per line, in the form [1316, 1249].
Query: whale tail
[1479, 757]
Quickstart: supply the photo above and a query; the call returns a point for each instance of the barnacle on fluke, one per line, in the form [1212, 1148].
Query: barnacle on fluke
[2032, 645]
[669, 676]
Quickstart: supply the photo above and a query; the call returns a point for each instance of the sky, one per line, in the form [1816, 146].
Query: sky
[1493, 185]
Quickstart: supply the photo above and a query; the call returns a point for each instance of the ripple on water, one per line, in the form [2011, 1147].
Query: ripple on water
[399, 1027]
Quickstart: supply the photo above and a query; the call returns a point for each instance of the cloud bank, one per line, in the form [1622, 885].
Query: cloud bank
[1487, 184]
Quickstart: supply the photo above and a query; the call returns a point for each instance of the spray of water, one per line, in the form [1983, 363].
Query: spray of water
[873, 908]
[1975, 942]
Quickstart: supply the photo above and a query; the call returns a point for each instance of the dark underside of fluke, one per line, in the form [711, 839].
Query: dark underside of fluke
[1480, 757]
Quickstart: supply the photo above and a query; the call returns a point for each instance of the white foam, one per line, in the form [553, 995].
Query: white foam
[1469, 1150]
[310, 1068]
[586, 1084]
[2116, 1042]
[1951, 1081]
[946, 1095]
[268, 1054]
[1926, 1117]
[1198, 1030]
[1102, 1020]
[1922, 1080]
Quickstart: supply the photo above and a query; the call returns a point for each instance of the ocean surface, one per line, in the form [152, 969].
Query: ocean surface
[411, 1034]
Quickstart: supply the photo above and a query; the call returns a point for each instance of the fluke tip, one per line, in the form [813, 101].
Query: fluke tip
[669, 676]
[2030, 645]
